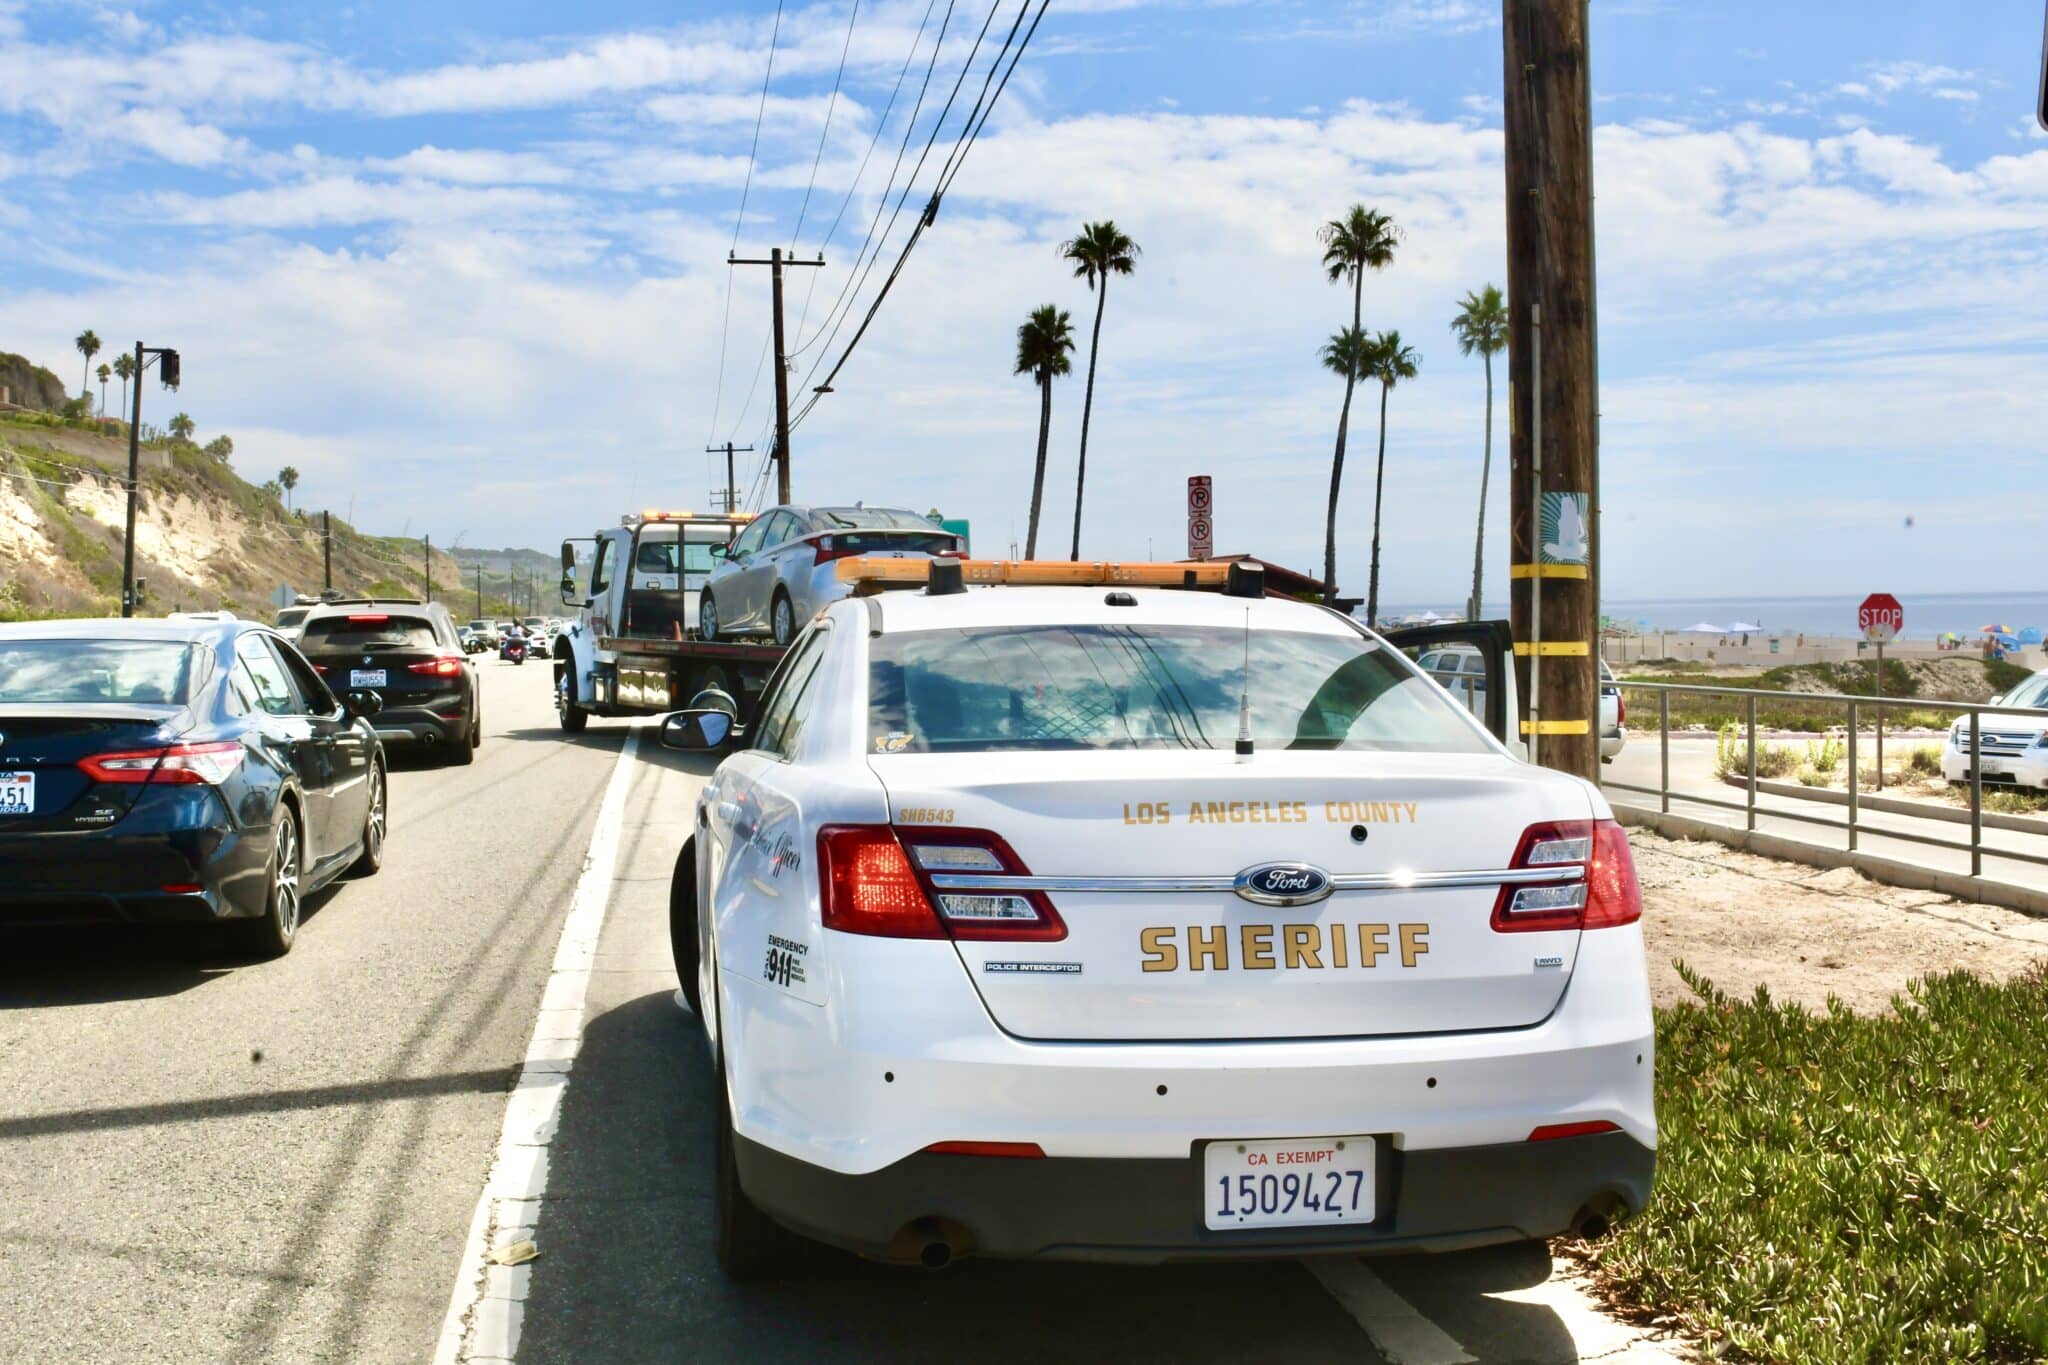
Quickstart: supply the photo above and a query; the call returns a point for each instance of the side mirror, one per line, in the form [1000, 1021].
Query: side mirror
[696, 731]
[569, 597]
[568, 558]
[721, 552]
[362, 702]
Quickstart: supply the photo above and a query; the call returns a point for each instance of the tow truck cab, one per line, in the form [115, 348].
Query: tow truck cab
[632, 648]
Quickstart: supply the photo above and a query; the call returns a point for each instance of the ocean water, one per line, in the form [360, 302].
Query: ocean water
[1927, 614]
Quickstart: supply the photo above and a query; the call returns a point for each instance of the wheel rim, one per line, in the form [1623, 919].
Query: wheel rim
[286, 889]
[785, 621]
[707, 618]
[562, 694]
[374, 835]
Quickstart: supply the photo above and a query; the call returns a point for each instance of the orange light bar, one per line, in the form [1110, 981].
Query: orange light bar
[880, 571]
[653, 514]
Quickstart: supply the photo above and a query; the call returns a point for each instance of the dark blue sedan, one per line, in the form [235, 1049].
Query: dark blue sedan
[186, 769]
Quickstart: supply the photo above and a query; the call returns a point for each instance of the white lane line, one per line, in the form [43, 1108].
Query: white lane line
[1402, 1335]
[488, 1303]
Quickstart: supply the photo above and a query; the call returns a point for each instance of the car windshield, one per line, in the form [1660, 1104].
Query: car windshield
[1150, 687]
[368, 630]
[870, 518]
[59, 671]
[2031, 693]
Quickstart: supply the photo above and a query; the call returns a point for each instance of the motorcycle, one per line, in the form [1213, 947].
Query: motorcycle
[514, 649]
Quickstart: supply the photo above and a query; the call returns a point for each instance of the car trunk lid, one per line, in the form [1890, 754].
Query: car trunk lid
[41, 747]
[1145, 849]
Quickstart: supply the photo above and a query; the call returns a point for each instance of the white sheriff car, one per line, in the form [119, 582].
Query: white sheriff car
[1007, 943]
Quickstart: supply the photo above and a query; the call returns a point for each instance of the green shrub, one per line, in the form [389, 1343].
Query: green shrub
[1731, 755]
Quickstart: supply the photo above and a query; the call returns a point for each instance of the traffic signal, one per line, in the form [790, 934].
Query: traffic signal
[168, 369]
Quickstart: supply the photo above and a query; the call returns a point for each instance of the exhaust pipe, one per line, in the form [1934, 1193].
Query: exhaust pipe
[932, 1242]
[935, 1256]
[1598, 1216]
[430, 739]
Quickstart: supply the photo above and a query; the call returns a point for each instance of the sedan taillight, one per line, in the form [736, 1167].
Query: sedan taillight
[447, 666]
[178, 764]
[828, 549]
[1597, 887]
[925, 883]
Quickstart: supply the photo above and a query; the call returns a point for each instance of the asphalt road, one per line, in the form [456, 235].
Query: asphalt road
[205, 1158]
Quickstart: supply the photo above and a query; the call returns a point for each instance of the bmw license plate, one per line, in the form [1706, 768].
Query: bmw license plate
[366, 677]
[1298, 1182]
[17, 793]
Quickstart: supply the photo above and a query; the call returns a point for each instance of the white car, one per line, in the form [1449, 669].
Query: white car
[2014, 746]
[1004, 945]
[1461, 669]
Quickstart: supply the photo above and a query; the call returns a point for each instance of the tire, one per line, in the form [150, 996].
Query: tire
[273, 934]
[707, 617]
[571, 717]
[748, 1243]
[782, 619]
[375, 824]
[682, 924]
[462, 752]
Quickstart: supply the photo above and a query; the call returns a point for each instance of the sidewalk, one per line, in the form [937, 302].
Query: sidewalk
[1817, 831]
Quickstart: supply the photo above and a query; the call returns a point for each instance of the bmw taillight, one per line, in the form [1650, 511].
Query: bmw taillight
[177, 764]
[1596, 887]
[447, 666]
[927, 883]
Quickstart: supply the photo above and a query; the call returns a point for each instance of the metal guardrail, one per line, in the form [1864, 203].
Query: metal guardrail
[1854, 706]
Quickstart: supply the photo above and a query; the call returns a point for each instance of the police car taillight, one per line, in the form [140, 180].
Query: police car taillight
[1597, 887]
[925, 883]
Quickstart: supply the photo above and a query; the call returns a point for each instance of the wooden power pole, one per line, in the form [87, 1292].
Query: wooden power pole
[776, 263]
[1553, 393]
[730, 497]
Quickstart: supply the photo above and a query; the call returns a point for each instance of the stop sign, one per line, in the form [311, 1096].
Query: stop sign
[1880, 618]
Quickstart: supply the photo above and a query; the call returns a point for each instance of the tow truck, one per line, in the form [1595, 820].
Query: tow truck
[633, 648]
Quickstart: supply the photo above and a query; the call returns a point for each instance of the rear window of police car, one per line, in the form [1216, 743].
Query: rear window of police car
[1150, 687]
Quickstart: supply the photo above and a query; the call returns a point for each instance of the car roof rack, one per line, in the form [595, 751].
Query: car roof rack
[945, 575]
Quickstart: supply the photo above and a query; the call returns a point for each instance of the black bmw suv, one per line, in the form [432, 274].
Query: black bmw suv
[409, 653]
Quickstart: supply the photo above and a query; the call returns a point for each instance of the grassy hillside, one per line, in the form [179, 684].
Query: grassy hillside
[205, 537]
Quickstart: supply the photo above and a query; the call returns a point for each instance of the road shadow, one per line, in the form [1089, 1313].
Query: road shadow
[93, 964]
[626, 1270]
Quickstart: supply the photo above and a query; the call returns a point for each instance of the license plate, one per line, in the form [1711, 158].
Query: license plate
[1993, 765]
[17, 793]
[1297, 1182]
[366, 677]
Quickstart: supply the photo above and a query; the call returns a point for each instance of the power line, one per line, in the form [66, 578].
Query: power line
[746, 188]
[831, 104]
[948, 172]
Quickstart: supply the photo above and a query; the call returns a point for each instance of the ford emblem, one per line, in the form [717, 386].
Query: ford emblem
[1283, 884]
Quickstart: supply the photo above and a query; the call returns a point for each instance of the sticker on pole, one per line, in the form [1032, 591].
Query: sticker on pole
[1565, 538]
[1201, 534]
[1880, 618]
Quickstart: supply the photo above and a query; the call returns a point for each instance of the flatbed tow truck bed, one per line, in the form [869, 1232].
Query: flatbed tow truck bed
[652, 674]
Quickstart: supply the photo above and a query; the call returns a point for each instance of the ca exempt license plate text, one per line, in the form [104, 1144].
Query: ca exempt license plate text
[1296, 1182]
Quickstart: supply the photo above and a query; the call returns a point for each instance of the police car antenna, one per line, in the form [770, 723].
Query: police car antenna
[1244, 696]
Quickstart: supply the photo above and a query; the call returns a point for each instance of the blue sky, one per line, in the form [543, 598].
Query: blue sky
[464, 268]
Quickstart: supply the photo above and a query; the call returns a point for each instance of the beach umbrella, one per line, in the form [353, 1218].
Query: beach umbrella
[1737, 627]
[1997, 630]
[2030, 635]
[1704, 628]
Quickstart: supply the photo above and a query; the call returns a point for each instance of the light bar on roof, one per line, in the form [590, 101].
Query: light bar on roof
[883, 571]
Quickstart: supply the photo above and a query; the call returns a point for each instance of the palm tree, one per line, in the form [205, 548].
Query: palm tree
[1482, 325]
[1100, 251]
[1043, 344]
[105, 372]
[182, 427]
[1348, 353]
[288, 479]
[1363, 239]
[88, 344]
[1391, 363]
[124, 369]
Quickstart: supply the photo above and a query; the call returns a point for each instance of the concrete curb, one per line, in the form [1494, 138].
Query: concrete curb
[1890, 871]
[2018, 824]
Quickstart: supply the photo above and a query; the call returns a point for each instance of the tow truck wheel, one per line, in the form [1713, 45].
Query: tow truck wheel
[782, 619]
[572, 717]
[707, 617]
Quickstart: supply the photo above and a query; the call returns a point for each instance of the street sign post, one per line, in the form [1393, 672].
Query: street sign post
[1880, 618]
[1201, 530]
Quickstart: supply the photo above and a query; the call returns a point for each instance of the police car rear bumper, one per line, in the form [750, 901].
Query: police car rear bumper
[1149, 1210]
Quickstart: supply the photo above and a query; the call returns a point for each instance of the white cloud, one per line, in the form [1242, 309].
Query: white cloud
[339, 200]
[473, 166]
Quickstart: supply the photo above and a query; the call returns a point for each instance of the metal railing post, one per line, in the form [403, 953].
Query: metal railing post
[1853, 793]
[1976, 798]
[1751, 699]
[1664, 748]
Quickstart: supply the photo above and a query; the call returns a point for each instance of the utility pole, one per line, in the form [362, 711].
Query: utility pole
[327, 551]
[731, 495]
[169, 374]
[775, 262]
[479, 590]
[427, 564]
[1553, 396]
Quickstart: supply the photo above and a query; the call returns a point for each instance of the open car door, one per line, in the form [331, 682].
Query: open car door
[1474, 662]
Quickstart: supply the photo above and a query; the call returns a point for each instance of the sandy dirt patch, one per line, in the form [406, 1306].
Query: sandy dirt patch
[1742, 921]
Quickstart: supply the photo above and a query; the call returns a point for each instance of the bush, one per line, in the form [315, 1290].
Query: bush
[1825, 755]
[1836, 1187]
[1731, 755]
